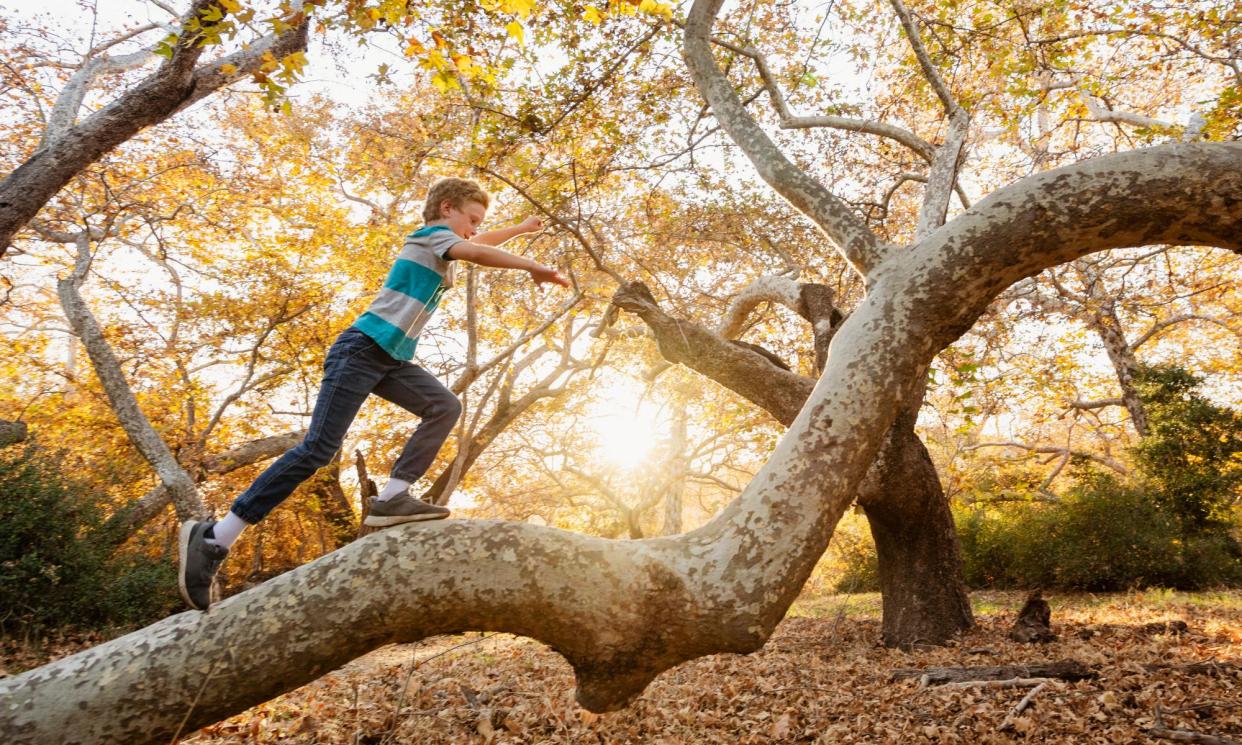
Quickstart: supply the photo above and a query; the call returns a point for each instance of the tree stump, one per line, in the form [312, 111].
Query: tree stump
[1033, 621]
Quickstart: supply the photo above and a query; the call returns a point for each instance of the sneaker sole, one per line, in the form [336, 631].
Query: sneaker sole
[183, 545]
[385, 521]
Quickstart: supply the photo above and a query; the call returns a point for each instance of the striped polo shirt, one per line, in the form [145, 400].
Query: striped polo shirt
[419, 276]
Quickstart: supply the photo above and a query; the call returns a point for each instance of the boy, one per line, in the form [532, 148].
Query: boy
[373, 356]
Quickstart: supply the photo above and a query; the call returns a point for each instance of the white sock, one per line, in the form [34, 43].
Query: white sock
[392, 489]
[227, 530]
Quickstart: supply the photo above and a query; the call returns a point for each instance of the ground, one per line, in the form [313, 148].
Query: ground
[822, 678]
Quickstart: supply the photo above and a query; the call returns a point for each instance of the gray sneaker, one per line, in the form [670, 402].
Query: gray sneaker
[200, 561]
[402, 508]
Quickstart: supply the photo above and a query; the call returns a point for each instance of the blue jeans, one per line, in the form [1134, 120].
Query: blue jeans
[355, 368]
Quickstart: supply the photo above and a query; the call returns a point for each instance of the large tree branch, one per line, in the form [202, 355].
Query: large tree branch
[172, 86]
[212, 76]
[838, 221]
[1188, 194]
[779, 392]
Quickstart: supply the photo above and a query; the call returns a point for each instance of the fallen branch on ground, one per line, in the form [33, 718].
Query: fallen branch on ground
[1062, 670]
[1209, 667]
[1010, 683]
[1184, 735]
[1007, 724]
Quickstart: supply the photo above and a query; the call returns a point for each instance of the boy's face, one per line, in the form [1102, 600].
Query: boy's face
[465, 221]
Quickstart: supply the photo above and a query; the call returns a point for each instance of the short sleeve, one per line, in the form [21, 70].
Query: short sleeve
[441, 241]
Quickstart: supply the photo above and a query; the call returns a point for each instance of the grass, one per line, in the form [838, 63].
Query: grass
[868, 605]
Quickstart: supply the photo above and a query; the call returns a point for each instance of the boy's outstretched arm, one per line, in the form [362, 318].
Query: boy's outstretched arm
[501, 235]
[482, 255]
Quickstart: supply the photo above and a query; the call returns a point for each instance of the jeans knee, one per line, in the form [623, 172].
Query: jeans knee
[449, 408]
[317, 452]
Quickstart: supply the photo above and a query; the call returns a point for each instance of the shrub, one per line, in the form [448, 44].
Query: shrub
[51, 572]
[1102, 536]
[1192, 454]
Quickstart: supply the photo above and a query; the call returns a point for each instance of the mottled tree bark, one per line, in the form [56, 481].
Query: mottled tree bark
[1125, 364]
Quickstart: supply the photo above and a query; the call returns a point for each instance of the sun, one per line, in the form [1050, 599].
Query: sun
[626, 428]
[625, 440]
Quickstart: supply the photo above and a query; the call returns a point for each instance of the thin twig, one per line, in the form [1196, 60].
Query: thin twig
[1021, 707]
[210, 671]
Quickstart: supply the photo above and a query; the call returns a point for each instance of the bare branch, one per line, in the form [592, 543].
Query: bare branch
[108, 369]
[838, 221]
[1160, 326]
[774, 288]
[929, 70]
[1056, 449]
[1098, 404]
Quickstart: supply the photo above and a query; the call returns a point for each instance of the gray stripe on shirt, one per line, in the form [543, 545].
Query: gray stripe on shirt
[399, 309]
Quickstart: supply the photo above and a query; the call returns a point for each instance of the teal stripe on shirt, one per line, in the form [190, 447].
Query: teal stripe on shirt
[427, 230]
[412, 279]
[392, 339]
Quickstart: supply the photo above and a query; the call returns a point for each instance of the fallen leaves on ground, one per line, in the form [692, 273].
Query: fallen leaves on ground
[819, 679]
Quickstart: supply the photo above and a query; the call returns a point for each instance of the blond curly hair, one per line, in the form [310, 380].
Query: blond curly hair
[456, 191]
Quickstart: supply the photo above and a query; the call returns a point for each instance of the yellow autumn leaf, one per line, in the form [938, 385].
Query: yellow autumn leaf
[294, 62]
[227, 69]
[231, 6]
[592, 14]
[516, 31]
[521, 8]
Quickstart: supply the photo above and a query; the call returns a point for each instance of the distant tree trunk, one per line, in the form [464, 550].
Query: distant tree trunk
[11, 433]
[337, 512]
[924, 594]
[1125, 364]
[676, 480]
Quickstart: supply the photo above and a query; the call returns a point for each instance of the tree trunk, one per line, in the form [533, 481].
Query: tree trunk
[1125, 364]
[921, 583]
[334, 506]
[12, 433]
[676, 480]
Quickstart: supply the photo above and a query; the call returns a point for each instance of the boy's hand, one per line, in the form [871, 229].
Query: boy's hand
[543, 274]
[531, 224]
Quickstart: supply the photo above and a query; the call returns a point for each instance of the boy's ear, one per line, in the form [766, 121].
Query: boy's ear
[445, 206]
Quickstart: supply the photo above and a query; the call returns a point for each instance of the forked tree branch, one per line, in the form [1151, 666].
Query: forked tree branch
[836, 219]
